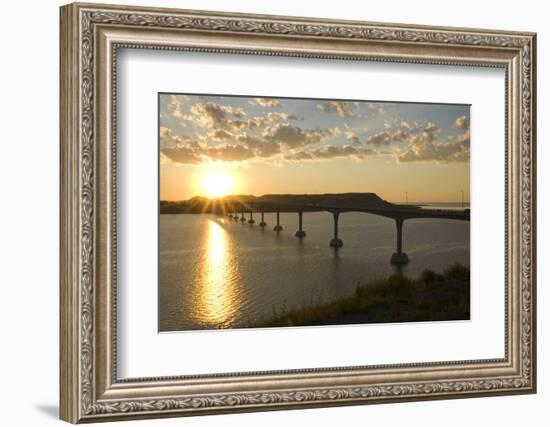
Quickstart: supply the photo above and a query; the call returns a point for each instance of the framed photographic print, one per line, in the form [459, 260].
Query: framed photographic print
[305, 163]
[264, 212]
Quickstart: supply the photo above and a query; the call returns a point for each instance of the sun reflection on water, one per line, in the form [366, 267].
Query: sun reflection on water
[218, 298]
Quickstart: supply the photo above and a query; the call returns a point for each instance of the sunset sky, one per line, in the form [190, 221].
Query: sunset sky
[217, 145]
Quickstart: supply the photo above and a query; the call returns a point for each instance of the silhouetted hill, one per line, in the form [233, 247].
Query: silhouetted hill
[282, 202]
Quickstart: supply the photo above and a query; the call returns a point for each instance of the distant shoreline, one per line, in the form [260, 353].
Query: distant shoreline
[249, 203]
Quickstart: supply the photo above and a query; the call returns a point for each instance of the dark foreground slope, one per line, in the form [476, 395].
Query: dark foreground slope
[430, 297]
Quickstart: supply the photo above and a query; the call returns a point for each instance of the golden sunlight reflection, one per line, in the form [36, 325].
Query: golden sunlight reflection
[218, 298]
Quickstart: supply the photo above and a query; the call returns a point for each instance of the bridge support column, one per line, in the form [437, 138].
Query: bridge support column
[278, 227]
[235, 216]
[300, 233]
[251, 220]
[243, 219]
[399, 257]
[262, 222]
[336, 242]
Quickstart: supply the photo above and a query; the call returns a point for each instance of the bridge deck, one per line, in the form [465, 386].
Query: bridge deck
[395, 213]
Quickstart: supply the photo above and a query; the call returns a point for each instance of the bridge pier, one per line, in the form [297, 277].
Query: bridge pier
[251, 220]
[300, 233]
[262, 222]
[243, 219]
[399, 257]
[336, 242]
[235, 216]
[278, 227]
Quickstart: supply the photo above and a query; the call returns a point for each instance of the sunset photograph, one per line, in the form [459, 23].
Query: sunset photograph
[278, 212]
[264, 212]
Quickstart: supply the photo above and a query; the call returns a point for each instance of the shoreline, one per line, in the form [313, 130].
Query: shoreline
[429, 297]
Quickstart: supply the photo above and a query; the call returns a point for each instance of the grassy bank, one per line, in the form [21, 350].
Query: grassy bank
[430, 297]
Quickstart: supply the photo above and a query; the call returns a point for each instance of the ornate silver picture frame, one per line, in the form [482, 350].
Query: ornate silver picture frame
[91, 36]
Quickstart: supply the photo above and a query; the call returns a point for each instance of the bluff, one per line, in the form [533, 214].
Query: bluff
[281, 202]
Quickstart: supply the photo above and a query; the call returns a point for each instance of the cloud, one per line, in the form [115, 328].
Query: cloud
[334, 131]
[165, 132]
[294, 136]
[380, 138]
[261, 147]
[213, 114]
[184, 155]
[386, 137]
[163, 159]
[378, 107]
[431, 127]
[230, 119]
[339, 107]
[462, 122]
[229, 135]
[462, 139]
[174, 107]
[350, 134]
[331, 152]
[269, 119]
[195, 155]
[400, 136]
[185, 150]
[170, 140]
[267, 102]
[410, 126]
[430, 132]
[228, 153]
[423, 149]
[302, 155]
[219, 134]
[225, 132]
[415, 143]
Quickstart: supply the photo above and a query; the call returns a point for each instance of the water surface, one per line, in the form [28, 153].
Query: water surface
[218, 273]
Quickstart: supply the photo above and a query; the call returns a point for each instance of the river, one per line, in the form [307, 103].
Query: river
[218, 273]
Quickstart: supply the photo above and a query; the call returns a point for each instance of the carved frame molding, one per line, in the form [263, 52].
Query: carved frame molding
[90, 37]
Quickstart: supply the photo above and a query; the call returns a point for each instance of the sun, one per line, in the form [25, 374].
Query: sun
[217, 184]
